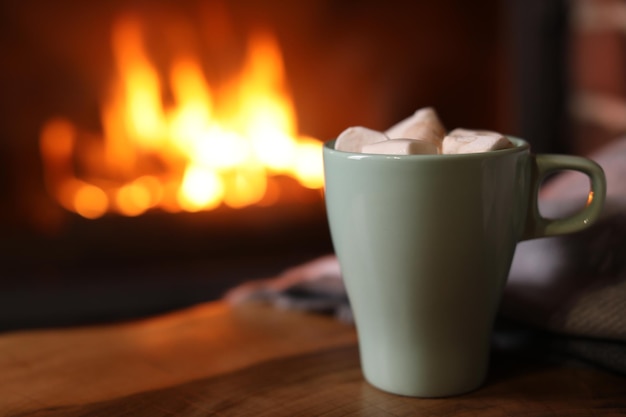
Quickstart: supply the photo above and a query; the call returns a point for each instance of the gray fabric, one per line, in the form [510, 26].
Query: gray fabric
[574, 287]
[573, 284]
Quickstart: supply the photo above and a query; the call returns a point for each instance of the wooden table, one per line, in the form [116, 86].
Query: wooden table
[257, 361]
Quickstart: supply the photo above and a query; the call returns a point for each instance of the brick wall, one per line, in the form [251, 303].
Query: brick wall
[598, 61]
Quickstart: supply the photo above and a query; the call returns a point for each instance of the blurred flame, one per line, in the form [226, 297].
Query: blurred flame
[191, 156]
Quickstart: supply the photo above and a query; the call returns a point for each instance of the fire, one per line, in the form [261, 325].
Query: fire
[194, 154]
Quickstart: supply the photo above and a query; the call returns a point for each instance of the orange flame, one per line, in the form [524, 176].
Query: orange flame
[191, 156]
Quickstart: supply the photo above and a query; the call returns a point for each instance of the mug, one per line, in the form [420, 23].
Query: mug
[425, 244]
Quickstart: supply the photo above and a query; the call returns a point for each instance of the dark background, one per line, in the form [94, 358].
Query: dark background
[495, 64]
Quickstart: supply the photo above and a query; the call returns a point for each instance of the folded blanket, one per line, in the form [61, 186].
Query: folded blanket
[569, 290]
[573, 287]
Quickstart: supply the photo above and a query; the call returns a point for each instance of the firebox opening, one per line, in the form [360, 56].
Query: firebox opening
[156, 153]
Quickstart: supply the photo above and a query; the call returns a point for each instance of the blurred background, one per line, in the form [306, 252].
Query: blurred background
[155, 153]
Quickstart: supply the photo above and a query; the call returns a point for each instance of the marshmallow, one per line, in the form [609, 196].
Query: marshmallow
[469, 132]
[424, 124]
[473, 141]
[401, 147]
[354, 138]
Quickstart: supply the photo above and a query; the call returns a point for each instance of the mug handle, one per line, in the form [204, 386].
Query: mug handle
[539, 226]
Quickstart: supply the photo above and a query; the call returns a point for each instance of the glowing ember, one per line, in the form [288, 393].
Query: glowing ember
[191, 156]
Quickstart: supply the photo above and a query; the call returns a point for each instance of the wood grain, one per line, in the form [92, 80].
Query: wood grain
[51, 368]
[267, 363]
[330, 383]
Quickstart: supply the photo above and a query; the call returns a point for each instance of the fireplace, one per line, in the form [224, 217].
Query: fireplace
[156, 153]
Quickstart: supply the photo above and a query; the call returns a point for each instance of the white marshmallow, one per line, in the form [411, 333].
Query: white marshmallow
[473, 141]
[401, 147]
[424, 124]
[354, 138]
[469, 132]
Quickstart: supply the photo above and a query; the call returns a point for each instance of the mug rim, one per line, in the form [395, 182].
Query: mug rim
[520, 146]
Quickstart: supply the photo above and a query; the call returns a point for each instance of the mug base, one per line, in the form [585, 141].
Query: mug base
[428, 392]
